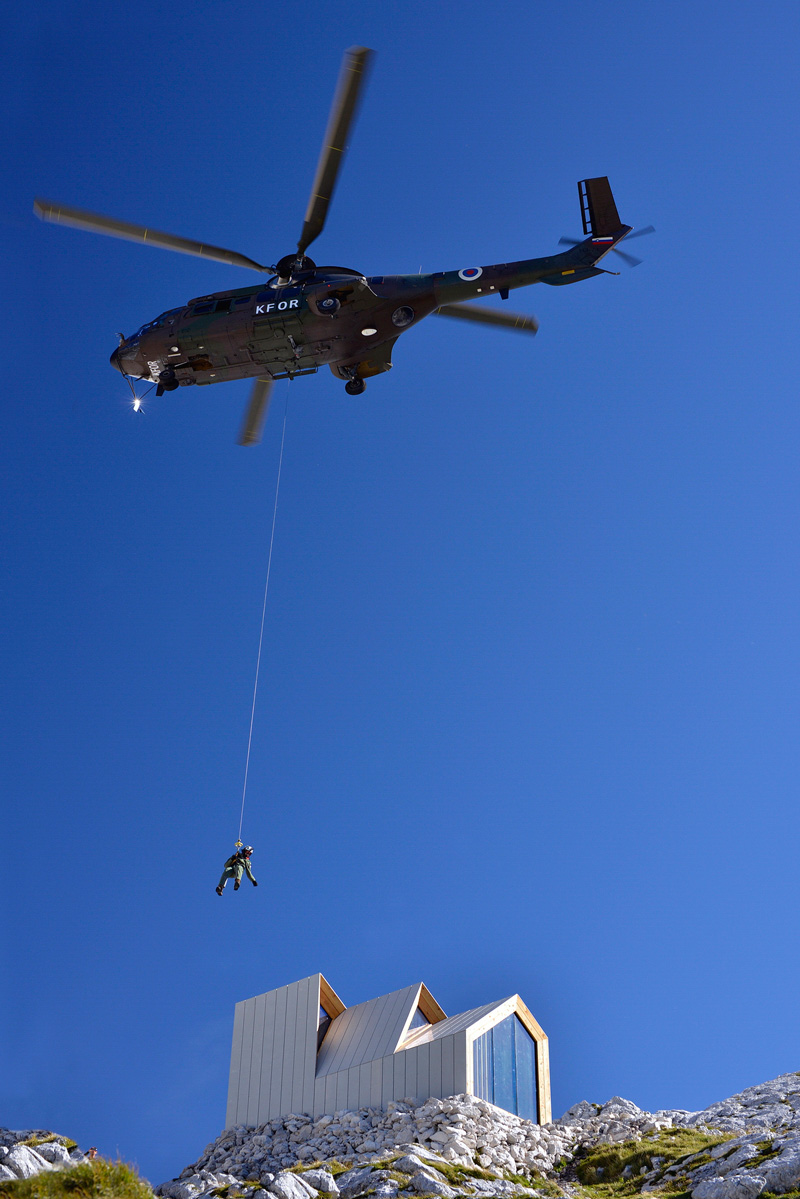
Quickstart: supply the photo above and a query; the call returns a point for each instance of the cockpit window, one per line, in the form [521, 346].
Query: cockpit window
[198, 308]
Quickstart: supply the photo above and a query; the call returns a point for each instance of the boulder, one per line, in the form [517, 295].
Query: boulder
[783, 1173]
[25, 1162]
[321, 1180]
[289, 1186]
[426, 1184]
[355, 1182]
[55, 1153]
[733, 1186]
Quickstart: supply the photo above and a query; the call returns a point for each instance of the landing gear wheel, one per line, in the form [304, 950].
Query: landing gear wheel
[355, 387]
[168, 381]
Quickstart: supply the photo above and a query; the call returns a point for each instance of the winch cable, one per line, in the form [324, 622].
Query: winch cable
[263, 614]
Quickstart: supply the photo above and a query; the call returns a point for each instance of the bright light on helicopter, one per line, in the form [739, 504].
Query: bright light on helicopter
[137, 404]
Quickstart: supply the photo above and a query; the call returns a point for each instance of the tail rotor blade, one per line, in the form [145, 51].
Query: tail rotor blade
[94, 223]
[629, 258]
[639, 233]
[256, 412]
[489, 316]
[351, 81]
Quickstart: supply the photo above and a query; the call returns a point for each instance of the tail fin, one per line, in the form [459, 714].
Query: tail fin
[598, 210]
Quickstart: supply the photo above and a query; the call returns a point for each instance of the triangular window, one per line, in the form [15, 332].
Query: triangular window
[418, 1020]
[322, 1026]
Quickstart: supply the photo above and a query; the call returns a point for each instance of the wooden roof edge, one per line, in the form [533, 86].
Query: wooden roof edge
[527, 1018]
[430, 1009]
[329, 999]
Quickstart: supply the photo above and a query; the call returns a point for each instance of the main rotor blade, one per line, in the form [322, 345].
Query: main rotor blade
[256, 412]
[568, 241]
[79, 219]
[351, 79]
[488, 316]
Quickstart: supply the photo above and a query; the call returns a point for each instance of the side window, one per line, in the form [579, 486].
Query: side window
[199, 308]
[222, 306]
[243, 300]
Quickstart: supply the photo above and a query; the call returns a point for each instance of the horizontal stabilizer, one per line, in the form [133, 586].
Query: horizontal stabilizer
[598, 210]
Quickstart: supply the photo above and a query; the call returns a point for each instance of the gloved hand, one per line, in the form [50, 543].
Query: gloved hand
[255, 884]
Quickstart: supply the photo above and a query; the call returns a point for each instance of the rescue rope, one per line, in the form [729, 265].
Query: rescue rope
[263, 614]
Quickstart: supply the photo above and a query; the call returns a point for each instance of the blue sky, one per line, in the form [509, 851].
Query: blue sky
[530, 688]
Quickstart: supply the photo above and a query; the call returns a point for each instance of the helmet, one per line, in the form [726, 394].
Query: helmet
[247, 849]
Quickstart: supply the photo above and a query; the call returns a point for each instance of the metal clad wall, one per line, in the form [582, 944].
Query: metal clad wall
[236, 1059]
[333, 1046]
[268, 1056]
[448, 1068]
[247, 1055]
[256, 1060]
[436, 1071]
[310, 1044]
[462, 1064]
[276, 1080]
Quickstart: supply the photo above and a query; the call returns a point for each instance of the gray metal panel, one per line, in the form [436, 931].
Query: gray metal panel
[332, 1050]
[330, 1092]
[247, 1057]
[297, 1044]
[435, 1085]
[268, 1052]
[319, 1097]
[366, 1032]
[365, 1085]
[276, 1081]
[462, 1068]
[400, 1091]
[352, 1088]
[389, 1029]
[256, 1060]
[423, 1056]
[236, 1059]
[448, 1070]
[310, 1044]
[411, 1074]
[375, 1083]
[387, 1080]
[341, 1091]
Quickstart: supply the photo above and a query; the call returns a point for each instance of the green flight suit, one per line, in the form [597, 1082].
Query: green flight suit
[235, 866]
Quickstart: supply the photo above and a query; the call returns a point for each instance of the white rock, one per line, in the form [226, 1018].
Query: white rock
[733, 1186]
[355, 1182]
[782, 1174]
[25, 1162]
[322, 1180]
[288, 1186]
[55, 1153]
[426, 1184]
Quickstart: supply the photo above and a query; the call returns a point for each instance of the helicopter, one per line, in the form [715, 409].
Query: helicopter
[306, 316]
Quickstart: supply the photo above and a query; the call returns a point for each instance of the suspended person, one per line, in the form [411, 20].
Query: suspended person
[236, 865]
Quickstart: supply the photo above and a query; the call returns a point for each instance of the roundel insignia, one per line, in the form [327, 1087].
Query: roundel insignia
[470, 273]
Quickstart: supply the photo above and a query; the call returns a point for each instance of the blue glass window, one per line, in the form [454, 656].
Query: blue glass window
[198, 308]
[418, 1020]
[504, 1068]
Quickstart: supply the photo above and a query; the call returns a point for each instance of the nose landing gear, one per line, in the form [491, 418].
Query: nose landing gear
[356, 386]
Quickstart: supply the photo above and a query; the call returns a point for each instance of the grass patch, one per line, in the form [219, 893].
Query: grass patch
[67, 1142]
[99, 1179]
[458, 1175]
[613, 1171]
[765, 1154]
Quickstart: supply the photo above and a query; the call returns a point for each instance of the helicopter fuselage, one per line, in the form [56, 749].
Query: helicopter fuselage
[326, 316]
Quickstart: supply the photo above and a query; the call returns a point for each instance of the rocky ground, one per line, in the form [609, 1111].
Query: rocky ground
[745, 1146]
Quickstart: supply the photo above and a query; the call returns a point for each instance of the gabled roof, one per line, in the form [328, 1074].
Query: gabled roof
[444, 1028]
[374, 1029]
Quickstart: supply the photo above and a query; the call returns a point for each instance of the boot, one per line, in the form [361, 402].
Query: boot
[236, 885]
[219, 890]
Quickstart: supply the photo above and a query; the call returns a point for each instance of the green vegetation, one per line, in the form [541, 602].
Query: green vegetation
[459, 1175]
[67, 1142]
[99, 1179]
[765, 1153]
[614, 1171]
